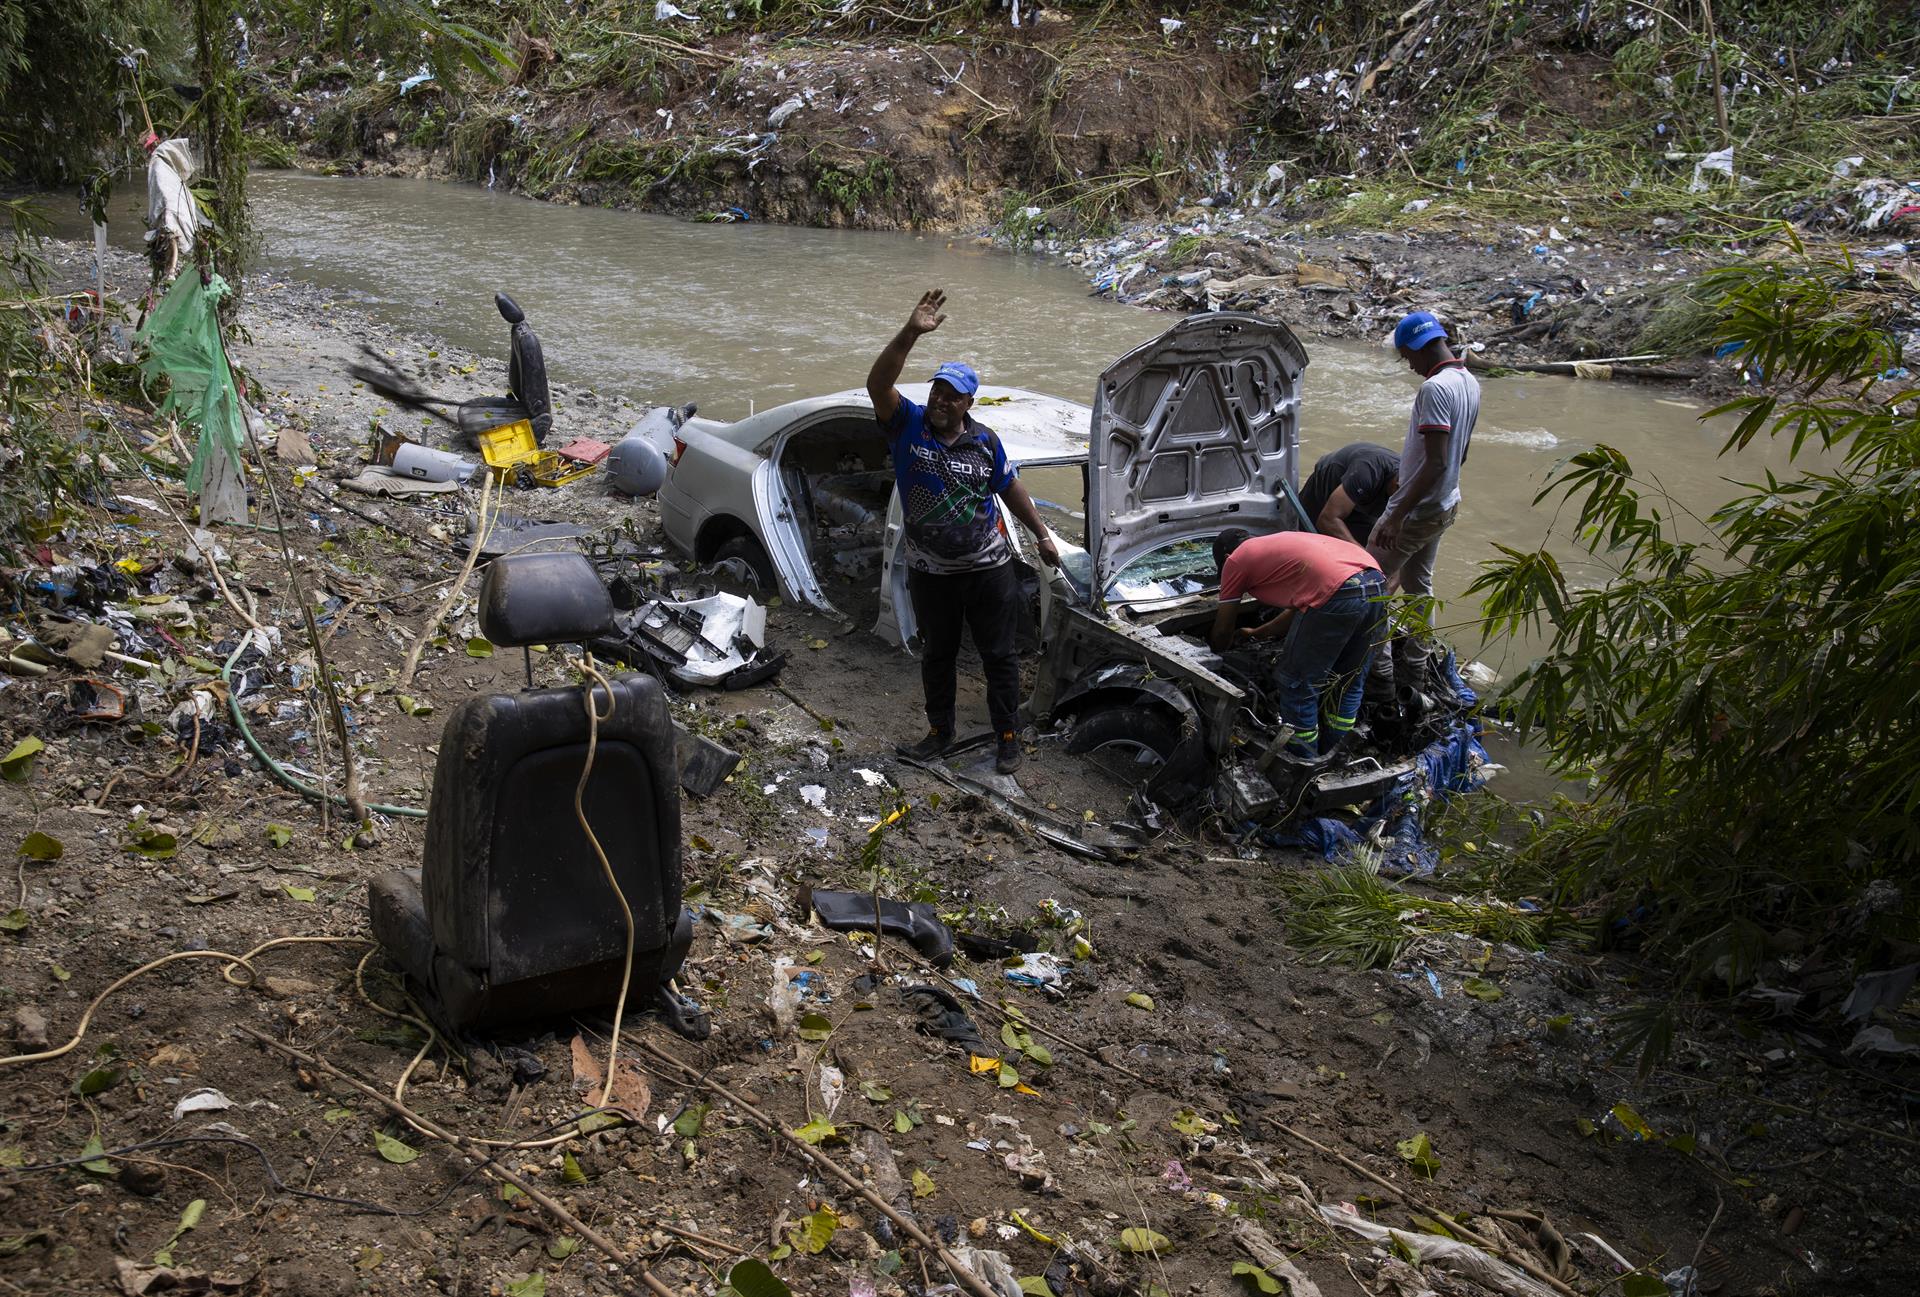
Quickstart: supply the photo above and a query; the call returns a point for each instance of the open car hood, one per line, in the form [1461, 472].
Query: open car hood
[1193, 432]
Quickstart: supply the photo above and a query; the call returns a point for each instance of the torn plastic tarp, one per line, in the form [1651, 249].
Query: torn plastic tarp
[170, 203]
[1450, 764]
[183, 342]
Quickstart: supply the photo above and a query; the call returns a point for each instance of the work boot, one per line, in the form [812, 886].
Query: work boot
[934, 745]
[1009, 757]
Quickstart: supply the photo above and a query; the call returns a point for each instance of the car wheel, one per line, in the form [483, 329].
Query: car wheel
[1126, 739]
[746, 559]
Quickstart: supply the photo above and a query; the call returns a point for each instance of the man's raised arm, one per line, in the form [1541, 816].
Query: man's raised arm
[892, 359]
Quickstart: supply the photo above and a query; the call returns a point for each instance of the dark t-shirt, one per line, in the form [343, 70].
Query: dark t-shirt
[1367, 471]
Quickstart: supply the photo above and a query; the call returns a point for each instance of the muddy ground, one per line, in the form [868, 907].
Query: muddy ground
[1758, 1152]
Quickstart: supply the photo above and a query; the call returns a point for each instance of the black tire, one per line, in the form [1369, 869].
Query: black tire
[1125, 734]
[753, 555]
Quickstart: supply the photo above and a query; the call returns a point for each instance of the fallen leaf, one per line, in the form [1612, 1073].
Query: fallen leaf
[369, 1258]
[18, 764]
[1481, 989]
[189, 1217]
[1261, 1280]
[533, 1285]
[1641, 1283]
[1140, 1001]
[901, 1122]
[14, 920]
[332, 1115]
[752, 1278]
[978, 1063]
[393, 1150]
[562, 1248]
[1039, 1054]
[687, 1124]
[279, 835]
[1009, 1077]
[299, 893]
[815, 1232]
[631, 1092]
[93, 1152]
[39, 846]
[570, 1169]
[816, 643]
[480, 648]
[815, 1026]
[1034, 1284]
[1560, 1023]
[1418, 1153]
[412, 706]
[153, 844]
[875, 1092]
[13, 1156]
[816, 1131]
[1189, 1122]
[1143, 1240]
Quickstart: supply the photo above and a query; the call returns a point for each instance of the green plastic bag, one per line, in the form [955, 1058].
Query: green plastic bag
[183, 342]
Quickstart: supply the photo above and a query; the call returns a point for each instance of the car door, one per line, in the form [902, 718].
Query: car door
[1193, 432]
[780, 531]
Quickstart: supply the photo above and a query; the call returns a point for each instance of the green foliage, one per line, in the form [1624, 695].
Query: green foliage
[850, 190]
[1351, 914]
[66, 81]
[45, 473]
[1742, 689]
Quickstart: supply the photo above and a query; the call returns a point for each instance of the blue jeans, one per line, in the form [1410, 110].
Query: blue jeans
[1326, 652]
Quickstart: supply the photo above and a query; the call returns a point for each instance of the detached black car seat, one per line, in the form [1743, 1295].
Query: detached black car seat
[510, 918]
[528, 395]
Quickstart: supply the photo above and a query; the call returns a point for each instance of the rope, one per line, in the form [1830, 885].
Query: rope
[233, 961]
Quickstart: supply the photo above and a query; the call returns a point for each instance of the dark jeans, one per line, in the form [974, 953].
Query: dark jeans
[1326, 652]
[988, 604]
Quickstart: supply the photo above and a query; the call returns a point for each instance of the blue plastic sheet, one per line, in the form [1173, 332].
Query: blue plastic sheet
[1447, 766]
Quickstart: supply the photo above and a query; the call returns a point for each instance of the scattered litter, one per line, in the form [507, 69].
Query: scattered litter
[916, 922]
[943, 1016]
[1041, 969]
[205, 1100]
[871, 778]
[814, 795]
[785, 109]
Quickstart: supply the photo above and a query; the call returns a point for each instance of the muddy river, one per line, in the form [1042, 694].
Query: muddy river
[733, 316]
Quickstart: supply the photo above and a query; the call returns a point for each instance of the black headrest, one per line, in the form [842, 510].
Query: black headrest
[544, 599]
[509, 309]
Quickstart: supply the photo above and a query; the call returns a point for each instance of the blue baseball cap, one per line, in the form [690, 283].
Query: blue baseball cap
[1416, 330]
[959, 377]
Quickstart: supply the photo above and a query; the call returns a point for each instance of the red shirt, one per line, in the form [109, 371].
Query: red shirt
[1291, 569]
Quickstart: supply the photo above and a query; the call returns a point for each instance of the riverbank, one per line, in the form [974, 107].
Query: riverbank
[1185, 1050]
[1555, 194]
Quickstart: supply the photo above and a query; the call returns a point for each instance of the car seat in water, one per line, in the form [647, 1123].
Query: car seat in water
[510, 917]
[528, 395]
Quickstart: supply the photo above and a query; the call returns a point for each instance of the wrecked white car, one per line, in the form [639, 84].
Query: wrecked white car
[1190, 433]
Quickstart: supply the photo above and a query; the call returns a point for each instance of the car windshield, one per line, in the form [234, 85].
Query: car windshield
[1185, 567]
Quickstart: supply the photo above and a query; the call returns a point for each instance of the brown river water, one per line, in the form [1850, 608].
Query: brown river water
[739, 316]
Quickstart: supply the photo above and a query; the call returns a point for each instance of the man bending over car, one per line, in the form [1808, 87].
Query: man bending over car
[1329, 595]
[949, 469]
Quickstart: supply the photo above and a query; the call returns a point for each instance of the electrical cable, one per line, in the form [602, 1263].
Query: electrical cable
[274, 768]
[579, 809]
[233, 961]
